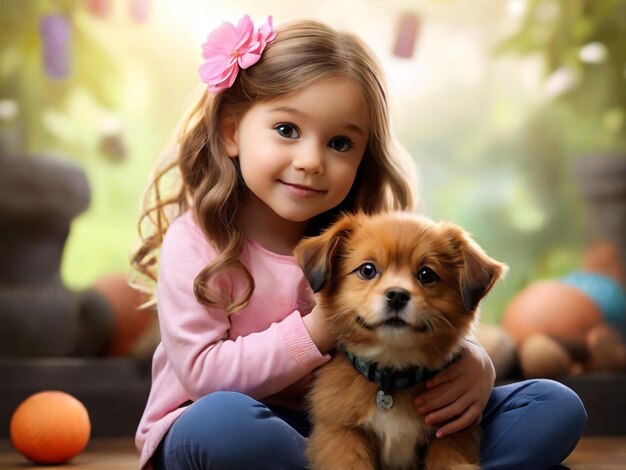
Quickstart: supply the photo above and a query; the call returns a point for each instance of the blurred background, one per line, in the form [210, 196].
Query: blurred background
[502, 103]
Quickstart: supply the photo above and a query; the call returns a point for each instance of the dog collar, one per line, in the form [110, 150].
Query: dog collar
[387, 378]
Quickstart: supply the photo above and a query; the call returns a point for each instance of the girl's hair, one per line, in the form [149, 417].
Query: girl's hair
[208, 181]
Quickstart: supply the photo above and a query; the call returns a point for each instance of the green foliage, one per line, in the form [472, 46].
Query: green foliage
[63, 117]
[23, 80]
[560, 31]
[486, 163]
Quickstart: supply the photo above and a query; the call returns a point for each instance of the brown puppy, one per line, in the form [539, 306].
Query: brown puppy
[400, 293]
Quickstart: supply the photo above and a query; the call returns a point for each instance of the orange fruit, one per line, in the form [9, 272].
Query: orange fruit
[50, 427]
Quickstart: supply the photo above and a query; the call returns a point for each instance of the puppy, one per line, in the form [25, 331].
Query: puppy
[401, 293]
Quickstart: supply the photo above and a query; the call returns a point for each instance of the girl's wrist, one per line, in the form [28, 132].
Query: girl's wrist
[318, 333]
[482, 354]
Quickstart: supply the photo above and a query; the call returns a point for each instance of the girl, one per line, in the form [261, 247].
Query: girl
[292, 129]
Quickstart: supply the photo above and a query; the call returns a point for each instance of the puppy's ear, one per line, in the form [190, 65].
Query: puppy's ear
[479, 272]
[316, 255]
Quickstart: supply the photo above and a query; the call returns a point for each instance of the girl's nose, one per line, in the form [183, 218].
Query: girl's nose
[309, 158]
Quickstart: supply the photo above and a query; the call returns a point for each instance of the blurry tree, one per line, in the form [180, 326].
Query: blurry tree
[46, 58]
[580, 130]
[583, 46]
[60, 87]
[530, 212]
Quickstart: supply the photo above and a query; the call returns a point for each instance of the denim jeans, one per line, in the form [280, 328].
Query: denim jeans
[533, 424]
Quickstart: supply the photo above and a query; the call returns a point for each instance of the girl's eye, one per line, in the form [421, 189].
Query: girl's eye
[341, 144]
[367, 271]
[287, 130]
[427, 277]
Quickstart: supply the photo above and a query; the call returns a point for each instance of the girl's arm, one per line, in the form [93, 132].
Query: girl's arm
[458, 394]
[196, 338]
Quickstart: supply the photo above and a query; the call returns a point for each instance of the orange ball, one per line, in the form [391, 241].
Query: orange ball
[50, 427]
[552, 308]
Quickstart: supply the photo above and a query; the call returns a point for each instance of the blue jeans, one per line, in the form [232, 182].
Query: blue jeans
[526, 425]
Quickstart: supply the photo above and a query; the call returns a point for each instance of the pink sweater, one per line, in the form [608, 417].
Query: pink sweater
[259, 351]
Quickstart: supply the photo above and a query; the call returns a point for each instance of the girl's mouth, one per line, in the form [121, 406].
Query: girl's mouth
[301, 190]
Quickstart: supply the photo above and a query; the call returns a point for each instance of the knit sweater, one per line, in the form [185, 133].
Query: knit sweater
[263, 350]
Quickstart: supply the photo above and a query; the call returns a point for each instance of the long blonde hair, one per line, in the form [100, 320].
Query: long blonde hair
[209, 183]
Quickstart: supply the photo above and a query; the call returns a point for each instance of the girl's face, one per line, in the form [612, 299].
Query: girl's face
[299, 154]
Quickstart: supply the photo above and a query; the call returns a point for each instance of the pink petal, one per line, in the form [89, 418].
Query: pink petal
[230, 47]
[264, 36]
[230, 78]
[213, 71]
[224, 81]
[224, 85]
[248, 59]
[245, 27]
[221, 41]
[266, 31]
[245, 31]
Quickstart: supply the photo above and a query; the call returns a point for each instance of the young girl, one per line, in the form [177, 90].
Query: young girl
[292, 129]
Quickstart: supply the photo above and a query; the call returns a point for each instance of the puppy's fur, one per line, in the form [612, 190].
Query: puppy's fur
[359, 268]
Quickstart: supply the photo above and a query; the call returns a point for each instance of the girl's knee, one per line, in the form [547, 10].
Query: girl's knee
[221, 416]
[232, 404]
[231, 430]
[565, 405]
[210, 426]
[548, 419]
[558, 419]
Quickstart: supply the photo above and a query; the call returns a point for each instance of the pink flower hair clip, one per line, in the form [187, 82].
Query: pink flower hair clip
[228, 48]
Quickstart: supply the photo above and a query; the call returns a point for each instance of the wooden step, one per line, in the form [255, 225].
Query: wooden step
[114, 391]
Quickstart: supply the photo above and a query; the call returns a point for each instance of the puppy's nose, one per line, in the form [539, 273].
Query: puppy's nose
[397, 297]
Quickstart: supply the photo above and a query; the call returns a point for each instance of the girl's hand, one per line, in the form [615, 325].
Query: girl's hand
[315, 323]
[457, 395]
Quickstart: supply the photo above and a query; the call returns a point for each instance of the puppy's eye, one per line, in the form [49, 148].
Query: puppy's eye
[366, 271]
[427, 277]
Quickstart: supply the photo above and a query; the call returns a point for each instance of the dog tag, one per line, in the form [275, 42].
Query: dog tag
[383, 401]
